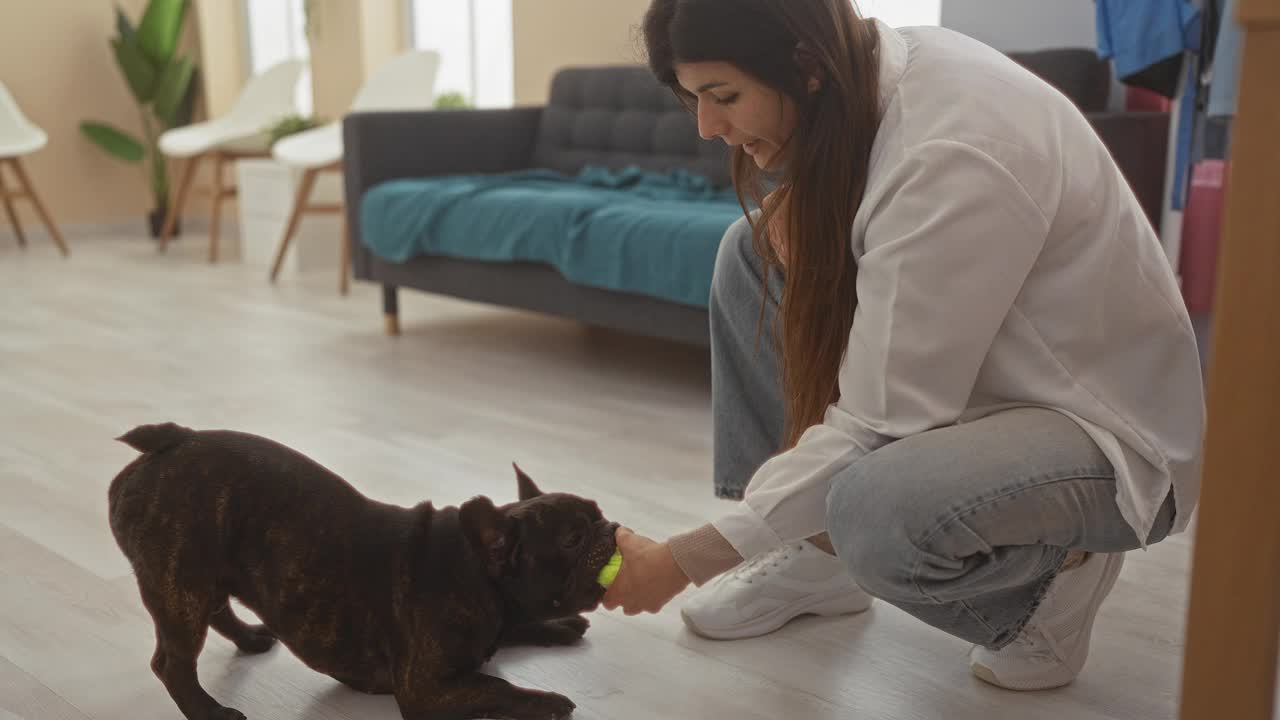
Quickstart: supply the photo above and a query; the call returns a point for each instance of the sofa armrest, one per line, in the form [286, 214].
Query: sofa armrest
[382, 146]
[1139, 143]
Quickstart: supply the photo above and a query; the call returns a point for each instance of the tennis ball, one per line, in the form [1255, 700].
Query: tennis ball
[609, 572]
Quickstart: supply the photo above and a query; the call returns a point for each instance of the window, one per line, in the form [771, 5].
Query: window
[277, 31]
[903, 13]
[473, 38]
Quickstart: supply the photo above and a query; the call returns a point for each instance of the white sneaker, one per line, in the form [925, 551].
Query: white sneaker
[1052, 648]
[770, 590]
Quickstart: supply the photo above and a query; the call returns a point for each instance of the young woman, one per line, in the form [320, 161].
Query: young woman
[951, 366]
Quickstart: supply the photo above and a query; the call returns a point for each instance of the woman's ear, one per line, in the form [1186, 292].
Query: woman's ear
[809, 67]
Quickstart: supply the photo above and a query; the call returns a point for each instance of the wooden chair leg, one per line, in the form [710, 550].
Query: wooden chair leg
[300, 200]
[344, 281]
[219, 193]
[391, 309]
[8, 208]
[30, 191]
[1233, 617]
[179, 203]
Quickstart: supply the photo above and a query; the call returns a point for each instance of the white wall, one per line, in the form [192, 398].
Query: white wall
[474, 39]
[1016, 25]
[902, 13]
[56, 62]
[1012, 25]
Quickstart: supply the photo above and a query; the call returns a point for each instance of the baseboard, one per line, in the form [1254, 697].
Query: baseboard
[37, 233]
[197, 227]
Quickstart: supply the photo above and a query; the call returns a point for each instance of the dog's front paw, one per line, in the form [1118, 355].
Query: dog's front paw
[550, 706]
[226, 713]
[258, 640]
[574, 627]
[564, 631]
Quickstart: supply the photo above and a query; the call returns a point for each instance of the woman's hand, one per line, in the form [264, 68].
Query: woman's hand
[649, 577]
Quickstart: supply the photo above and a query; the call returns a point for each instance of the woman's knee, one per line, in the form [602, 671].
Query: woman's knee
[869, 533]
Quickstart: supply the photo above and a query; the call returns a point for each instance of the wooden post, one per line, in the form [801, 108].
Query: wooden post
[178, 204]
[219, 194]
[1234, 616]
[7, 199]
[300, 201]
[29, 191]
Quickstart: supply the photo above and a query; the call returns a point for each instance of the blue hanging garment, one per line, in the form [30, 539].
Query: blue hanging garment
[1147, 41]
[1225, 73]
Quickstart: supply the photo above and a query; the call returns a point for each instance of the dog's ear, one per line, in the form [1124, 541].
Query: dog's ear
[528, 490]
[489, 530]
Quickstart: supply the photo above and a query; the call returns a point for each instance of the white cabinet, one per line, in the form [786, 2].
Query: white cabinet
[266, 194]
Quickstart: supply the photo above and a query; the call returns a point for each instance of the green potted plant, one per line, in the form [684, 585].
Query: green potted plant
[452, 101]
[163, 86]
[291, 125]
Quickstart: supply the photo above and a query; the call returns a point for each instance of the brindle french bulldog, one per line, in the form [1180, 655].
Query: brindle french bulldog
[386, 599]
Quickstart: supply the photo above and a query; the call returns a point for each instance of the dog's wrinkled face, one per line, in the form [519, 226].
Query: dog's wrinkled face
[545, 550]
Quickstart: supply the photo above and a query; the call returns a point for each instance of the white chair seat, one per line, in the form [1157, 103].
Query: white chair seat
[18, 135]
[23, 143]
[267, 98]
[198, 138]
[407, 82]
[313, 148]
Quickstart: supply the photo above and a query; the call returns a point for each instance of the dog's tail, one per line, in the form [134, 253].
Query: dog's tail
[154, 438]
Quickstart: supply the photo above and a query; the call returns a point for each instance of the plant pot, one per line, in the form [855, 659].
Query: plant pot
[156, 220]
[267, 189]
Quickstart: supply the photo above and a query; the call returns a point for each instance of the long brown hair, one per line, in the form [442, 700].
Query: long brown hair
[782, 43]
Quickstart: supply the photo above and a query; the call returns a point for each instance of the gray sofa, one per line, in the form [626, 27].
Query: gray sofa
[615, 117]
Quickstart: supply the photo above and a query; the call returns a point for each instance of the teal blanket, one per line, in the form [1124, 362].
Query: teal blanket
[632, 230]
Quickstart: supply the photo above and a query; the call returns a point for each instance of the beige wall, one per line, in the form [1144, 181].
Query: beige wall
[551, 34]
[223, 64]
[337, 67]
[58, 65]
[382, 32]
[351, 40]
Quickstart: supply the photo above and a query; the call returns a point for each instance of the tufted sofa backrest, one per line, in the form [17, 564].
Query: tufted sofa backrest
[617, 116]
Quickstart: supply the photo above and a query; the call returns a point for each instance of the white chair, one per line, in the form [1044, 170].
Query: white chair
[240, 133]
[18, 137]
[406, 82]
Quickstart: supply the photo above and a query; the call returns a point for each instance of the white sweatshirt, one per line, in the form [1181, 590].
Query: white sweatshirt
[1003, 261]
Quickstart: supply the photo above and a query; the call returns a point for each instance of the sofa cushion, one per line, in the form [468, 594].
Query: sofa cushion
[620, 116]
[1077, 73]
[634, 231]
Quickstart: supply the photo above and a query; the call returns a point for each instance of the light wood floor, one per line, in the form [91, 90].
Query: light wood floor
[117, 336]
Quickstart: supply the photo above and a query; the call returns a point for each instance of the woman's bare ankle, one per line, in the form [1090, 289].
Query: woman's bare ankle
[823, 543]
[1075, 558]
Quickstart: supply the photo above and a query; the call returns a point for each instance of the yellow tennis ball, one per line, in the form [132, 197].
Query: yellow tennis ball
[609, 572]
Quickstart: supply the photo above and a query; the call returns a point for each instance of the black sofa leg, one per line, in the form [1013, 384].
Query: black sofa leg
[391, 309]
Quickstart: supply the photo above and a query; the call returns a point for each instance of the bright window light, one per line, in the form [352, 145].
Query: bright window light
[902, 13]
[277, 31]
[474, 40]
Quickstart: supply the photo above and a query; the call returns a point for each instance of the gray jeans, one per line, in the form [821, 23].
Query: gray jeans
[964, 526]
